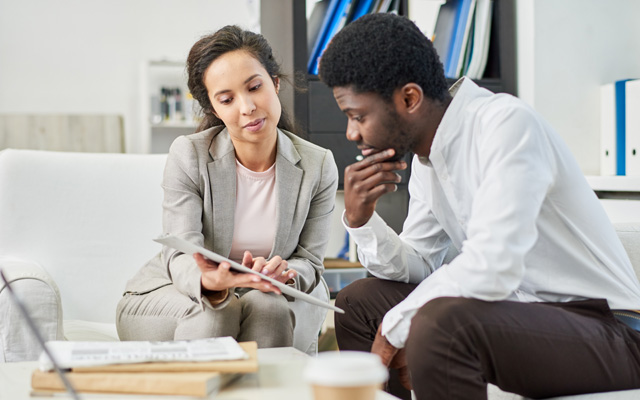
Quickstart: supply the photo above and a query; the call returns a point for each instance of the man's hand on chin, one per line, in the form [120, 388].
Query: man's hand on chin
[366, 181]
[392, 357]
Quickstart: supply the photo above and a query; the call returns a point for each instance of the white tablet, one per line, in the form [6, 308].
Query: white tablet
[189, 248]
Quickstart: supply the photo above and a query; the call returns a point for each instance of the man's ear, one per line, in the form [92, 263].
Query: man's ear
[412, 97]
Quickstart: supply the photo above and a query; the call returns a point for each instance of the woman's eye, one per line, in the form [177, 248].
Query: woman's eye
[255, 87]
[225, 101]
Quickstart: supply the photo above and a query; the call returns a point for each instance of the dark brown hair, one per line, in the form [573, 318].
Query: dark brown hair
[209, 48]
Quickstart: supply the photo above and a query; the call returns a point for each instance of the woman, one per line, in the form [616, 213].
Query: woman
[244, 187]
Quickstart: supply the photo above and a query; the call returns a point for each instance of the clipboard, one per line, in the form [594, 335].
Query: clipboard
[187, 247]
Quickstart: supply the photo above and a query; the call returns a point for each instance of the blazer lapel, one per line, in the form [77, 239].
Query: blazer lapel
[288, 180]
[222, 175]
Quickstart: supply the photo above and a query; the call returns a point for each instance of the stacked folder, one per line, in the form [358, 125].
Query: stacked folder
[461, 37]
[461, 34]
[199, 379]
[329, 16]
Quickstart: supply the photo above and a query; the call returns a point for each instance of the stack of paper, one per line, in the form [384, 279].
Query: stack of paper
[182, 377]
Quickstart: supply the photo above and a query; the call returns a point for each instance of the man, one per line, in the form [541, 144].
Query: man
[526, 305]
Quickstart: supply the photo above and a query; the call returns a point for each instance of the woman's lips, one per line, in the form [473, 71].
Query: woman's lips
[255, 126]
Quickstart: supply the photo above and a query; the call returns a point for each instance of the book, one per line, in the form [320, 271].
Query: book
[198, 384]
[230, 366]
[466, 39]
[632, 127]
[463, 8]
[346, 12]
[384, 6]
[425, 15]
[481, 36]
[318, 47]
[314, 23]
[70, 354]
[443, 32]
[394, 7]
[464, 62]
[337, 21]
[362, 7]
[199, 379]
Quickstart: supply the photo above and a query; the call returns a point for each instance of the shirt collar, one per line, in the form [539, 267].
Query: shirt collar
[463, 92]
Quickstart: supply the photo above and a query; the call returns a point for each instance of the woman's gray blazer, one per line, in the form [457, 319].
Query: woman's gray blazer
[199, 203]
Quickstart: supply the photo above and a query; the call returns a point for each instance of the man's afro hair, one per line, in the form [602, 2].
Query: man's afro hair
[380, 53]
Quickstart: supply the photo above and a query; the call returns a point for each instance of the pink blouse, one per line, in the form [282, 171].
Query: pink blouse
[255, 214]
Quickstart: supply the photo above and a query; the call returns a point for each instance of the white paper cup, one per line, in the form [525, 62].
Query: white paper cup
[345, 375]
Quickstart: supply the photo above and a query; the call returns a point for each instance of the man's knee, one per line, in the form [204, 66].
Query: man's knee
[433, 330]
[445, 315]
[354, 292]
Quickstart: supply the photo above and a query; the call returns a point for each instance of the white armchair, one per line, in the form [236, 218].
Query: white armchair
[74, 227]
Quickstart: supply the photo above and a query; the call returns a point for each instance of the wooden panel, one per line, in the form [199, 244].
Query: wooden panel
[79, 133]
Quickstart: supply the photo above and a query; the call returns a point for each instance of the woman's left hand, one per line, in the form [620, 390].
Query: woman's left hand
[275, 268]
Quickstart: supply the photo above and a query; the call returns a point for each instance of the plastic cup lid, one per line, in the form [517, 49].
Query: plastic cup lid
[345, 368]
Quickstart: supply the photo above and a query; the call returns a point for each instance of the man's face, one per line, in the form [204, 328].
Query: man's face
[373, 123]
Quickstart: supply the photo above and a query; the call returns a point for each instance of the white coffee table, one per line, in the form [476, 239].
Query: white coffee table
[279, 378]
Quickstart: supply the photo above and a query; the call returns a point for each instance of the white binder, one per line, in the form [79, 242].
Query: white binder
[608, 130]
[632, 133]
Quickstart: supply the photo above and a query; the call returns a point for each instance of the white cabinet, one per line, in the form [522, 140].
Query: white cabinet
[166, 103]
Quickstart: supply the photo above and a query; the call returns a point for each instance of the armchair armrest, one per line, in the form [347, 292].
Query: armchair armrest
[40, 294]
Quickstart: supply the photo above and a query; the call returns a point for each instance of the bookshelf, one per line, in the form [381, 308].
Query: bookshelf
[160, 129]
[284, 24]
[315, 110]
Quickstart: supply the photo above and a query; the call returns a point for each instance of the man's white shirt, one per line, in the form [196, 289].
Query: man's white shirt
[504, 189]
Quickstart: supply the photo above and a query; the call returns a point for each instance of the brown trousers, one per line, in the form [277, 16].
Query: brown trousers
[456, 346]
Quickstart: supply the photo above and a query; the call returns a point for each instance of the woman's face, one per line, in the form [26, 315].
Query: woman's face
[244, 96]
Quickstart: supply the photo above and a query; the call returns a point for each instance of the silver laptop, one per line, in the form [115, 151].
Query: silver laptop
[36, 332]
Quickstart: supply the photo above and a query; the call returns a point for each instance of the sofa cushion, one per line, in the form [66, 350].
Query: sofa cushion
[87, 218]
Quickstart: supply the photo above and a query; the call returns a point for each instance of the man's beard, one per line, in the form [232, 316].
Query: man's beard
[399, 139]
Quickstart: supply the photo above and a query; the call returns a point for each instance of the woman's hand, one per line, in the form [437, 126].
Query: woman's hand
[218, 277]
[275, 268]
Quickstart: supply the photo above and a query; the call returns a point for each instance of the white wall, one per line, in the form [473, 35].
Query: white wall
[566, 50]
[79, 56]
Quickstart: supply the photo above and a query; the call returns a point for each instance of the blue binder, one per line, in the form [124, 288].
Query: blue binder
[444, 32]
[463, 8]
[621, 130]
[337, 10]
[363, 7]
